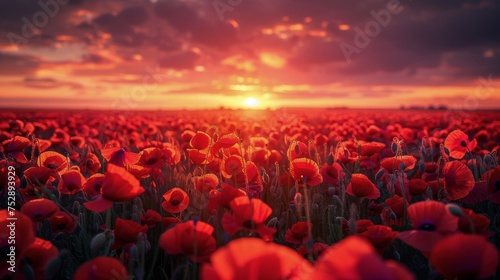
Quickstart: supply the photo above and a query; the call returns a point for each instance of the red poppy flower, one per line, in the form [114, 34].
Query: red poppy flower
[54, 161]
[126, 231]
[101, 268]
[305, 169]
[151, 218]
[93, 185]
[194, 240]
[408, 135]
[176, 200]
[37, 176]
[457, 142]
[260, 260]
[199, 156]
[77, 141]
[151, 158]
[214, 201]
[206, 183]
[59, 138]
[119, 156]
[298, 234]
[224, 142]
[252, 173]
[90, 164]
[478, 194]
[43, 144]
[331, 173]
[417, 186]
[371, 148]
[63, 222]
[39, 209]
[118, 185]
[463, 256]
[494, 185]
[200, 141]
[275, 157]
[250, 215]
[458, 179]
[320, 139]
[362, 225]
[405, 163]
[229, 193]
[23, 228]
[397, 204]
[231, 166]
[39, 254]
[171, 154]
[14, 148]
[432, 222]
[71, 182]
[186, 135]
[380, 237]
[480, 222]
[260, 156]
[361, 186]
[316, 250]
[355, 258]
[140, 172]
[168, 221]
[296, 150]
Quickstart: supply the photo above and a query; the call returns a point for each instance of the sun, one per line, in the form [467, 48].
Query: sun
[251, 102]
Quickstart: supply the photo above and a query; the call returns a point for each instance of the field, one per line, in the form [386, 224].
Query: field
[249, 194]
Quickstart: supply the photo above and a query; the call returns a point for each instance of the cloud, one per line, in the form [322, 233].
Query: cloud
[12, 64]
[50, 83]
[179, 61]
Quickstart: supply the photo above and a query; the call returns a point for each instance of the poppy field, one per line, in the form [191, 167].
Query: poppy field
[248, 194]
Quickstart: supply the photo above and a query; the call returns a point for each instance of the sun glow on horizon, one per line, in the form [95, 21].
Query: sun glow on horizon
[251, 102]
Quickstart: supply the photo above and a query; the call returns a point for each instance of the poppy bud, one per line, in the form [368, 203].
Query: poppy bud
[329, 159]
[487, 159]
[379, 174]
[273, 223]
[421, 167]
[331, 191]
[429, 193]
[455, 210]
[402, 166]
[76, 207]
[53, 268]
[392, 215]
[134, 253]
[28, 271]
[98, 241]
[394, 147]
[396, 255]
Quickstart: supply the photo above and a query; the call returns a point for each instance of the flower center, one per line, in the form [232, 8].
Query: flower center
[249, 224]
[175, 202]
[427, 227]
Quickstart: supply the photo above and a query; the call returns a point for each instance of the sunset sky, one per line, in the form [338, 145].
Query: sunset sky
[154, 54]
